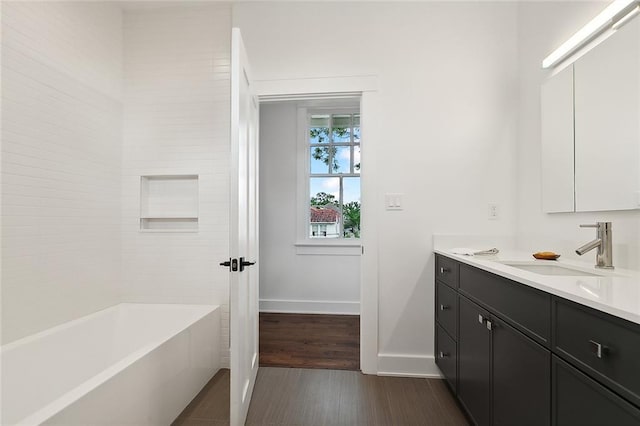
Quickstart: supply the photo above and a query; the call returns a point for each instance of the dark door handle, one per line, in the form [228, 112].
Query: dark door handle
[231, 264]
[244, 263]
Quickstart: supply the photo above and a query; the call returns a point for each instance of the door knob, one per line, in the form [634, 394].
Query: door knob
[244, 263]
[232, 264]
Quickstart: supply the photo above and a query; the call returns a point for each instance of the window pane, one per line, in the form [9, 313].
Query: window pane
[342, 157]
[356, 134]
[320, 120]
[324, 210]
[319, 159]
[341, 134]
[356, 159]
[318, 135]
[341, 120]
[325, 191]
[351, 207]
[356, 120]
[341, 128]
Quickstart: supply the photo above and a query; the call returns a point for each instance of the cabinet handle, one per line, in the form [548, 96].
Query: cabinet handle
[444, 270]
[489, 325]
[480, 319]
[597, 348]
[444, 307]
[444, 354]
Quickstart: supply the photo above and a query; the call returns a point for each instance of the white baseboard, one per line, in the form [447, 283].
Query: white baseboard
[402, 365]
[310, 306]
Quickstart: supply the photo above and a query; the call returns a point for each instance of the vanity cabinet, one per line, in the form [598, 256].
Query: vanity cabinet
[580, 400]
[503, 376]
[515, 355]
[474, 362]
[446, 344]
[603, 346]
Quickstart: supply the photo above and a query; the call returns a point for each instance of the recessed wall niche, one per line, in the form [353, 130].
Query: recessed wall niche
[169, 203]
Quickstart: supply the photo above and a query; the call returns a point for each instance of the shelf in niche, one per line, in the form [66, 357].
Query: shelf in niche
[169, 203]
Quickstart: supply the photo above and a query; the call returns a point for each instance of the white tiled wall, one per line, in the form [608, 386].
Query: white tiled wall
[176, 121]
[61, 148]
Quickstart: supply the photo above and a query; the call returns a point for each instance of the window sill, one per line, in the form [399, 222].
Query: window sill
[328, 248]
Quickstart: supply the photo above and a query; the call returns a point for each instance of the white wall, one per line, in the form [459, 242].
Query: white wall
[61, 146]
[291, 282]
[176, 121]
[448, 97]
[558, 232]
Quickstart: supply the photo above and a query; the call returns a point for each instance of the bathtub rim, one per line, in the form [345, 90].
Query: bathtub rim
[57, 405]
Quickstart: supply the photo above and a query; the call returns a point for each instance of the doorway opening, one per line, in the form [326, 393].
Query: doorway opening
[310, 205]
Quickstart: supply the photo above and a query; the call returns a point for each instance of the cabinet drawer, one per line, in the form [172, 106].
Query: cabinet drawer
[578, 333]
[447, 270]
[525, 308]
[580, 400]
[447, 309]
[447, 357]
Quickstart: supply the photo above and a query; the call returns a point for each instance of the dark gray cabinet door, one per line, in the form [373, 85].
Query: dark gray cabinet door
[580, 400]
[521, 378]
[447, 357]
[474, 361]
[447, 308]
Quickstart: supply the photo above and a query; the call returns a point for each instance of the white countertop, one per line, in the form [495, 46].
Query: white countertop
[615, 292]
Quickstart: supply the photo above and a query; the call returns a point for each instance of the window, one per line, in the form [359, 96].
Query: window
[333, 141]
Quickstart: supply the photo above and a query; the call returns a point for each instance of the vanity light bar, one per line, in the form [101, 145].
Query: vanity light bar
[615, 13]
[618, 23]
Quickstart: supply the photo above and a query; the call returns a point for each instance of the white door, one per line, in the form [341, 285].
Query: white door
[244, 233]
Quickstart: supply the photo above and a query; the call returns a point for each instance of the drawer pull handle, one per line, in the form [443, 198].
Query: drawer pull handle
[444, 270]
[444, 354]
[597, 348]
[444, 307]
[480, 319]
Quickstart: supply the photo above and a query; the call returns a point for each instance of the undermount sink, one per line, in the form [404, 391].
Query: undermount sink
[548, 269]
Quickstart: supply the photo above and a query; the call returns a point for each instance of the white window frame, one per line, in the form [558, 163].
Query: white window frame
[305, 243]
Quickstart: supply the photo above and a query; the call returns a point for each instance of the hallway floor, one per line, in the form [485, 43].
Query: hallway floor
[316, 397]
[310, 341]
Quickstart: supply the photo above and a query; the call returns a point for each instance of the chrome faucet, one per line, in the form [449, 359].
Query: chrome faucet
[604, 257]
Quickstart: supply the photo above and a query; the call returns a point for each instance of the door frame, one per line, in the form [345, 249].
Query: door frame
[366, 87]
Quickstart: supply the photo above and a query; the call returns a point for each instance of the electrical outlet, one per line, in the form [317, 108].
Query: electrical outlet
[393, 201]
[494, 211]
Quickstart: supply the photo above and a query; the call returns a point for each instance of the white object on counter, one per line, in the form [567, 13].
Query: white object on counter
[473, 252]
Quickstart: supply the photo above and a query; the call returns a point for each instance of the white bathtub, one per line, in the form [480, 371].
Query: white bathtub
[131, 364]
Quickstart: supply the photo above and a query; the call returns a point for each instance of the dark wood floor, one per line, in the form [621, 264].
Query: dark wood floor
[316, 397]
[310, 341]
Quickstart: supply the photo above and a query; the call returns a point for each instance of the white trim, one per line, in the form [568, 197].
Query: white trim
[370, 122]
[371, 117]
[310, 306]
[403, 365]
[317, 88]
[320, 249]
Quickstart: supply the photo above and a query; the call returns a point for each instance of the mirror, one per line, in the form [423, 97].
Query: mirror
[557, 143]
[591, 128]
